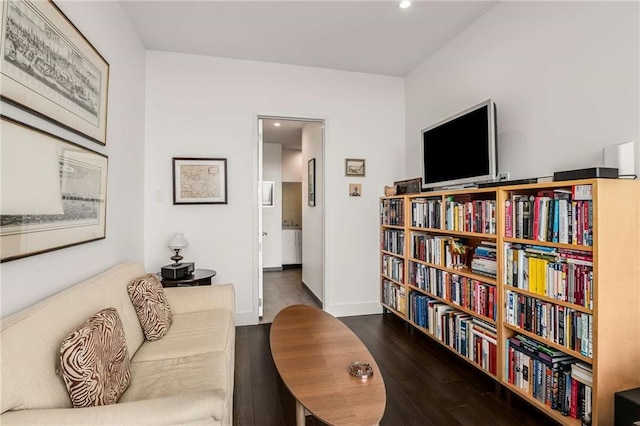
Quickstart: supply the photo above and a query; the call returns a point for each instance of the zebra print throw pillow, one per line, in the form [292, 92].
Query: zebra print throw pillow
[151, 306]
[94, 361]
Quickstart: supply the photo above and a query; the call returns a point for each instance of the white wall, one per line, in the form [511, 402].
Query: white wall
[564, 76]
[272, 216]
[28, 280]
[313, 216]
[291, 165]
[207, 107]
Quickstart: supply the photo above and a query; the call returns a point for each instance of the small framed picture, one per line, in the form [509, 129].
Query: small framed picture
[311, 184]
[354, 167]
[199, 181]
[267, 194]
[355, 190]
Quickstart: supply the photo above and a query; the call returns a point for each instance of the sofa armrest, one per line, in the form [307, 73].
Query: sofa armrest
[183, 300]
[178, 409]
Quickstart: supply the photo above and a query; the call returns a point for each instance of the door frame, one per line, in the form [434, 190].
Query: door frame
[257, 201]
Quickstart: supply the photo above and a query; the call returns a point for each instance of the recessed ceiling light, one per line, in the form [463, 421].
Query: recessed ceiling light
[405, 4]
[276, 124]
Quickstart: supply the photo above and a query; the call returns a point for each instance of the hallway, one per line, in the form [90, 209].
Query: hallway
[281, 289]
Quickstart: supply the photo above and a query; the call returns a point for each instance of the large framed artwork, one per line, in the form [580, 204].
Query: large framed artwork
[54, 192]
[50, 69]
[199, 181]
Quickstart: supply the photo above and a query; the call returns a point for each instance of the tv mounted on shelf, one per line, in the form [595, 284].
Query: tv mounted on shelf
[461, 149]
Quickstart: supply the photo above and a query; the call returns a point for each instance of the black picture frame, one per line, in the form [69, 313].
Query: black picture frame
[199, 180]
[311, 184]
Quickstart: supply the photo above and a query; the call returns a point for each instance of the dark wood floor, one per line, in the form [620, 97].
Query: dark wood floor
[425, 383]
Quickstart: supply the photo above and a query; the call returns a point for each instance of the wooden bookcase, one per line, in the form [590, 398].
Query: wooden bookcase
[614, 283]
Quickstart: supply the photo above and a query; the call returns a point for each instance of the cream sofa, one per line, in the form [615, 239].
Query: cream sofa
[184, 378]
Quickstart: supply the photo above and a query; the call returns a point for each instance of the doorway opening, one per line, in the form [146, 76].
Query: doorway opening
[291, 218]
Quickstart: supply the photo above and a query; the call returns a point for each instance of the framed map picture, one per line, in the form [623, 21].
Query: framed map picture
[50, 69]
[199, 181]
[54, 192]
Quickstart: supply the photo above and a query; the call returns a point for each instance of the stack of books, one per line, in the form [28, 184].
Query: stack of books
[483, 261]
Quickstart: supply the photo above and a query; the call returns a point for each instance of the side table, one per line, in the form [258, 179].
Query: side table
[199, 277]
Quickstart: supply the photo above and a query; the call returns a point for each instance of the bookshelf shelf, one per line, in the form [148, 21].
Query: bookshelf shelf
[603, 213]
[441, 343]
[390, 253]
[548, 244]
[465, 272]
[454, 233]
[391, 279]
[395, 311]
[549, 299]
[392, 226]
[550, 343]
[554, 414]
[452, 304]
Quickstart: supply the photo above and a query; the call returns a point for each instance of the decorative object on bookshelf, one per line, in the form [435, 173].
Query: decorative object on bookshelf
[389, 191]
[459, 253]
[354, 167]
[591, 172]
[408, 186]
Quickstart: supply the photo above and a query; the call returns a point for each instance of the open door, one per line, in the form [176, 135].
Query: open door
[260, 231]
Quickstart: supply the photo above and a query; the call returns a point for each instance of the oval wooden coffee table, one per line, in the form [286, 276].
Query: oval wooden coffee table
[312, 351]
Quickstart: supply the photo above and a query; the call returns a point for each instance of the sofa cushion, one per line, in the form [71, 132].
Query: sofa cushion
[191, 334]
[151, 306]
[178, 376]
[95, 362]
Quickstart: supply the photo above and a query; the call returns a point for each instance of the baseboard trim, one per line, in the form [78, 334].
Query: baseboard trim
[353, 309]
[312, 294]
[272, 269]
[292, 266]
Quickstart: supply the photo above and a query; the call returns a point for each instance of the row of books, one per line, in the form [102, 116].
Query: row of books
[470, 216]
[425, 213]
[555, 379]
[393, 241]
[393, 267]
[392, 212]
[559, 324]
[484, 257]
[561, 274]
[393, 295]
[469, 336]
[462, 291]
[550, 216]
[434, 249]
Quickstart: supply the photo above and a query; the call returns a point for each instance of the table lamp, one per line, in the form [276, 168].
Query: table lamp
[177, 243]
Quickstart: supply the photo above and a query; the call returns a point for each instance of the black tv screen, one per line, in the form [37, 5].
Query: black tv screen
[460, 149]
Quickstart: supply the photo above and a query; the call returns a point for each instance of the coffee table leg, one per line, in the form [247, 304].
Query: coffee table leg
[299, 414]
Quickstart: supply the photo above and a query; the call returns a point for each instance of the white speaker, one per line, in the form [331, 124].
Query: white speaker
[621, 156]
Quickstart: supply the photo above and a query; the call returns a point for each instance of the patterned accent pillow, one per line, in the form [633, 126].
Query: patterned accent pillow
[95, 362]
[151, 306]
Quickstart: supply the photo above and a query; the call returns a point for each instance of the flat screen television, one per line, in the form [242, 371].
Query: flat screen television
[461, 149]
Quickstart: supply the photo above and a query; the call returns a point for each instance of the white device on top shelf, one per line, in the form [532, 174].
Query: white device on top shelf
[622, 157]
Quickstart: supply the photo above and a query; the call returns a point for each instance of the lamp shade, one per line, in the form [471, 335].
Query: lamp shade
[178, 241]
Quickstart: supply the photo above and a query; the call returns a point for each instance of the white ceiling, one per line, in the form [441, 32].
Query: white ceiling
[289, 133]
[365, 36]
